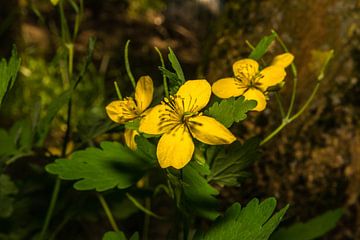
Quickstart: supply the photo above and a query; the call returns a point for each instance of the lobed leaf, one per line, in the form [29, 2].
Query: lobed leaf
[230, 110]
[254, 222]
[228, 167]
[114, 165]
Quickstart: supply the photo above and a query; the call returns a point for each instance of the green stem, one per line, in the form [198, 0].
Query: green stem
[271, 135]
[306, 103]
[166, 88]
[118, 90]
[108, 212]
[294, 72]
[281, 107]
[70, 47]
[56, 189]
[296, 115]
[127, 64]
[148, 206]
[51, 208]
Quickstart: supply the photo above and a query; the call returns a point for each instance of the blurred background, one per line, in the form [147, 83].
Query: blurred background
[313, 164]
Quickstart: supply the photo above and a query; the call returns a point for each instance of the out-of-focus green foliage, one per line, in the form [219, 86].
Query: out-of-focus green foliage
[8, 73]
[119, 236]
[7, 192]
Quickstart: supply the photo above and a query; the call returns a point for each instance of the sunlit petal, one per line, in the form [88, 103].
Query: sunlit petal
[144, 92]
[270, 76]
[156, 120]
[122, 111]
[283, 60]
[255, 94]
[175, 148]
[228, 87]
[245, 69]
[209, 131]
[129, 137]
[195, 93]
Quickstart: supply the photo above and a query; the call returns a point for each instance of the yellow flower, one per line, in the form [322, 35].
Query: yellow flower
[122, 111]
[251, 83]
[179, 120]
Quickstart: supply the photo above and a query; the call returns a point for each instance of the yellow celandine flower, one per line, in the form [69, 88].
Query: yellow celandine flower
[251, 83]
[178, 119]
[128, 109]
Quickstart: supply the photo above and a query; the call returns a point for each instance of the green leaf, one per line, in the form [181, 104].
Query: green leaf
[146, 149]
[199, 196]
[177, 78]
[112, 166]
[8, 73]
[254, 222]
[230, 110]
[228, 167]
[134, 124]
[51, 113]
[7, 192]
[262, 47]
[7, 144]
[114, 236]
[119, 236]
[312, 229]
[176, 65]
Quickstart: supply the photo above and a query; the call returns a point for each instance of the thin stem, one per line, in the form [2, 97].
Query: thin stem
[118, 90]
[127, 64]
[70, 47]
[108, 212]
[148, 206]
[296, 115]
[51, 208]
[294, 72]
[56, 189]
[166, 88]
[271, 135]
[281, 107]
[306, 103]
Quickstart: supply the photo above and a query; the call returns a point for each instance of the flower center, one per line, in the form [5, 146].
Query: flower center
[174, 112]
[129, 109]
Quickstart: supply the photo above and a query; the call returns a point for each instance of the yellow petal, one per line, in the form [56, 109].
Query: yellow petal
[245, 69]
[228, 87]
[144, 92]
[129, 137]
[195, 93]
[156, 121]
[175, 148]
[122, 111]
[209, 131]
[270, 76]
[255, 94]
[283, 60]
